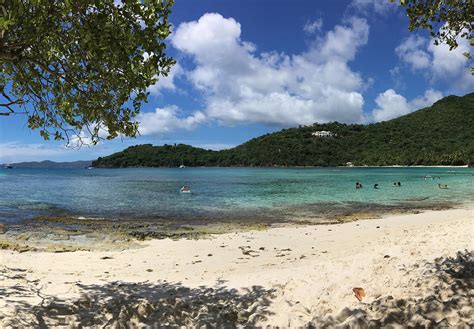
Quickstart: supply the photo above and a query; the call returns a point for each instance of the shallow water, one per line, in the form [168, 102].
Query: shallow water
[217, 193]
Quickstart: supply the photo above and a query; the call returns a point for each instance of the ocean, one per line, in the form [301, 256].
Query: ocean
[224, 193]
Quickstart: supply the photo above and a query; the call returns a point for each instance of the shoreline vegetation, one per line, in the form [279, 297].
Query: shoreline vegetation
[234, 167]
[275, 166]
[439, 135]
[415, 269]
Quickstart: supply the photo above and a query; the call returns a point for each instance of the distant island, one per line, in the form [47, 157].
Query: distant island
[442, 134]
[50, 164]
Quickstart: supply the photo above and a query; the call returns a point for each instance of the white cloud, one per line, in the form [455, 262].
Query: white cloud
[438, 62]
[391, 105]
[431, 96]
[241, 86]
[344, 41]
[312, 27]
[84, 137]
[16, 152]
[165, 120]
[452, 65]
[12, 152]
[79, 140]
[381, 7]
[411, 52]
[167, 82]
[283, 109]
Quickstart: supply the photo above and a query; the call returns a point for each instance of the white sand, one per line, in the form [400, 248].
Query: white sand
[304, 274]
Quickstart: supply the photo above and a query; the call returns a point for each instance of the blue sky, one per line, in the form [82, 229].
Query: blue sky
[249, 67]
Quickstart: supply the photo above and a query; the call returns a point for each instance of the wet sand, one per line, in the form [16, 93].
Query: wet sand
[415, 269]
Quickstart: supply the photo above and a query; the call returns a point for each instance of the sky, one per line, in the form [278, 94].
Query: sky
[249, 67]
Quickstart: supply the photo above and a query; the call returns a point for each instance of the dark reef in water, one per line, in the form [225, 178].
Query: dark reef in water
[71, 233]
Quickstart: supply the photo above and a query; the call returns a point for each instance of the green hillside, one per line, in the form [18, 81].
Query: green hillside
[147, 155]
[442, 134]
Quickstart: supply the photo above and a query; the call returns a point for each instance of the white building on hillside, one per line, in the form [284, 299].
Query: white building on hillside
[323, 133]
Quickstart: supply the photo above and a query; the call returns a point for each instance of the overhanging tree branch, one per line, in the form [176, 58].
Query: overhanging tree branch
[447, 21]
[11, 102]
[75, 64]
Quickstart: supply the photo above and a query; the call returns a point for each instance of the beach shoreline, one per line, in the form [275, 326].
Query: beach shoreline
[291, 275]
[68, 233]
[412, 166]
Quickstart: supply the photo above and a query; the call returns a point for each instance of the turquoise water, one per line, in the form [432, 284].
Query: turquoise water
[218, 193]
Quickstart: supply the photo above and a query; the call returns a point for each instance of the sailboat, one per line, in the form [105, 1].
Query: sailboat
[182, 164]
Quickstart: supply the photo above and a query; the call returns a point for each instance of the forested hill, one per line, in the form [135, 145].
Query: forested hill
[52, 164]
[442, 134]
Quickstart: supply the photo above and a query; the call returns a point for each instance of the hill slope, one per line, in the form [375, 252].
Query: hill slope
[52, 165]
[442, 134]
[147, 155]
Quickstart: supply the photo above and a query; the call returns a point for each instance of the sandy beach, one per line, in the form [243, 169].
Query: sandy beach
[415, 269]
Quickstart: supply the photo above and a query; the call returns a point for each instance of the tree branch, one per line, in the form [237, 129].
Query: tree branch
[10, 102]
[8, 56]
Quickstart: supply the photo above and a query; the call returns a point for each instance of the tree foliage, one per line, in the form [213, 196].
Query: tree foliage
[80, 67]
[446, 20]
[438, 135]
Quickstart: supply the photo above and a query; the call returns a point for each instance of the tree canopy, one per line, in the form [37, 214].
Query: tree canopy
[81, 67]
[446, 20]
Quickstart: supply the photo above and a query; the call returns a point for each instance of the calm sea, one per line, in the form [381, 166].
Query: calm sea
[224, 193]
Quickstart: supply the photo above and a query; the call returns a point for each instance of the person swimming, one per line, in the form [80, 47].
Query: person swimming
[376, 186]
[399, 184]
[443, 186]
[185, 189]
[358, 185]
